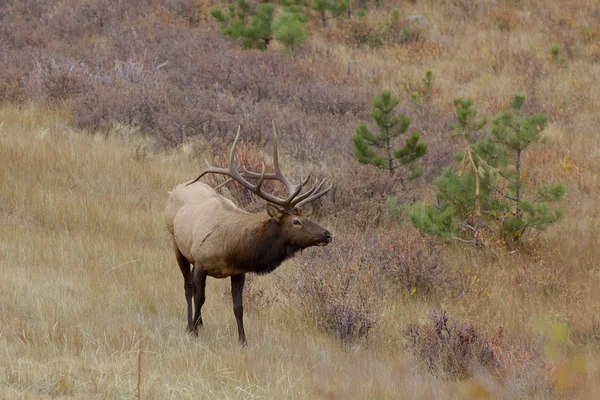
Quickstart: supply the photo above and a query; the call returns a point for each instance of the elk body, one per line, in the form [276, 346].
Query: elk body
[220, 240]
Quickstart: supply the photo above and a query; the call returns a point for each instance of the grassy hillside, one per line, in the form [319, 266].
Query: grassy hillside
[106, 106]
[89, 280]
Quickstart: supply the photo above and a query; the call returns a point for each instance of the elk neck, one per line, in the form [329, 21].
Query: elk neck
[263, 247]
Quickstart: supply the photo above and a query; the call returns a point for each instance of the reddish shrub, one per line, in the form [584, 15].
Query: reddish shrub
[453, 348]
[340, 290]
[414, 262]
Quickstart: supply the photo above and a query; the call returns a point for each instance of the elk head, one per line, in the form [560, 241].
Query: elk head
[299, 230]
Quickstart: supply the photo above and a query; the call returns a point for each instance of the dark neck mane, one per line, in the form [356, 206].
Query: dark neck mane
[263, 250]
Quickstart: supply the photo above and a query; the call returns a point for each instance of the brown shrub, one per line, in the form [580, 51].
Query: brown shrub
[55, 78]
[11, 89]
[358, 197]
[340, 290]
[453, 348]
[414, 262]
[359, 32]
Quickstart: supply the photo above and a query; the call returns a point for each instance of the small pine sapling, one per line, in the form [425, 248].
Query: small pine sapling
[333, 7]
[289, 30]
[468, 121]
[390, 126]
[251, 25]
[488, 186]
[555, 53]
[423, 94]
[512, 133]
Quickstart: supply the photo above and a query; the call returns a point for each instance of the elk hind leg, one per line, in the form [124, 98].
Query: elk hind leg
[184, 266]
[199, 296]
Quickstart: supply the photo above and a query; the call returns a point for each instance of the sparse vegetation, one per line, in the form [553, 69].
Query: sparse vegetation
[448, 347]
[341, 290]
[105, 106]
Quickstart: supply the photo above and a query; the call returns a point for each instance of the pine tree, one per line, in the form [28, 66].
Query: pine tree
[289, 30]
[254, 24]
[334, 7]
[468, 121]
[512, 133]
[390, 125]
[488, 182]
[250, 24]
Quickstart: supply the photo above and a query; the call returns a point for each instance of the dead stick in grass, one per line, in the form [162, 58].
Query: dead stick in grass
[138, 391]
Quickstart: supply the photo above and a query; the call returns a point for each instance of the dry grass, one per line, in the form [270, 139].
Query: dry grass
[88, 278]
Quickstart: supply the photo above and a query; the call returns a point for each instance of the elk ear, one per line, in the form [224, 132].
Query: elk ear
[274, 211]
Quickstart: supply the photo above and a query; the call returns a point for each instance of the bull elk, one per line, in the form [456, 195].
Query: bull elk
[221, 240]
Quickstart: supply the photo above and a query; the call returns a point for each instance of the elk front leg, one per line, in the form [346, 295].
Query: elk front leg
[184, 266]
[237, 287]
[199, 296]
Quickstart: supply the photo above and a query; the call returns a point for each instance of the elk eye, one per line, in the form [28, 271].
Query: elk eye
[297, 222]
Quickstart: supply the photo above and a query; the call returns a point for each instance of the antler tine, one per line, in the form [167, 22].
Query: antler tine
[232, 172]
[232, 152]
[314, 189]
[221, 171]
[261, 179]
[223, 184]
[305, 181]
[315, 195]
[256, 175]
[209, 170]
[292, 189]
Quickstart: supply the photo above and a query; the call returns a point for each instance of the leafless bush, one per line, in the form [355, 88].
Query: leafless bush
[414, 262]
[75, 17]
[341, 291]
[453, 348]
[57, 78]
[11, 89]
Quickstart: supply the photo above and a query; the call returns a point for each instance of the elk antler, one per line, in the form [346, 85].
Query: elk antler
[294, 199]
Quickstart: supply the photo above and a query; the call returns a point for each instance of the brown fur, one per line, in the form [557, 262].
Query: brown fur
[221, 240]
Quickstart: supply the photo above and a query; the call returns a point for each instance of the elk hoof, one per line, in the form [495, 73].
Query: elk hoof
[193, 330]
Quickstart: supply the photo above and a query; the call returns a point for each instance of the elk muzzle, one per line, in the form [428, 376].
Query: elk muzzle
[327, 238]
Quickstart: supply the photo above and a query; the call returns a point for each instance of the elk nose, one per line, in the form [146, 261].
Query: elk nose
[328, 237]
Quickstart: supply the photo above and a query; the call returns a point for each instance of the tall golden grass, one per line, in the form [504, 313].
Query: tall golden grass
[88, 280]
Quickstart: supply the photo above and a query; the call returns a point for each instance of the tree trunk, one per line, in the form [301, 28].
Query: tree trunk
[477, 211]
[389, 154]
[519, 212]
